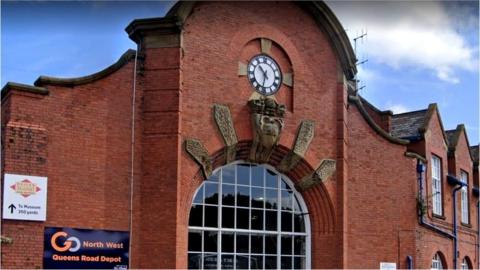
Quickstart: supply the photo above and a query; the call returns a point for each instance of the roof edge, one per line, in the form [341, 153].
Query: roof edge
[47, 80]
[357, 101]
[432, 108]
[453, 147]
[326, 20]
[23, 88]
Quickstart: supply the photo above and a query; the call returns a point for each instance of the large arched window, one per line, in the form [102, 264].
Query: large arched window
[248, 216]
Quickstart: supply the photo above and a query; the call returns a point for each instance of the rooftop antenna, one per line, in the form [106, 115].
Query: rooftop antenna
[360, 61]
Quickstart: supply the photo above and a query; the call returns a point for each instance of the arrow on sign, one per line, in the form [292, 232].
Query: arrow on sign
[12, 207]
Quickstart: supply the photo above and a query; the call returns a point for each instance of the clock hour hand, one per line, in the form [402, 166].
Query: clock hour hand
[265, 77]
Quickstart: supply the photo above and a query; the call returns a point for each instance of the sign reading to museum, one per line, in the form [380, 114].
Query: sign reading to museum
[68, 248]
[25, 197]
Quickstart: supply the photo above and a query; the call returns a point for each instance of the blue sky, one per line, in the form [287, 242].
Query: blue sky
[418, 52]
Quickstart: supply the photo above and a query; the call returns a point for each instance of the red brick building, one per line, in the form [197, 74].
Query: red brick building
[234, 137]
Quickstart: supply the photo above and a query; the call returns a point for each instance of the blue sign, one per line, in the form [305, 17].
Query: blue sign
[68, 248]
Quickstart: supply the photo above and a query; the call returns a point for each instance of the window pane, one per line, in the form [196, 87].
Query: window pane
[210, 261]
[242, 243]
[211, 216]
[242, 218]
[286, 200]
[243, 196]
[257, 176]
[256, 262]
[271, 179]
[286, 262]
[195, 216]
[299, 245]
[299, 225]
[286, 221]
[257, 219]
[214, 177]
[257, 197]
[271, 196]
[296, 205]
[270, 262]
[270, 244]
[228, 195]
[256, 243]
[228, 174]
[211, 193]
[199, 196]
[227, 261]
[227, 242]
[271, 220]
[194, 261]
[287, 244]
[242, 261]
[284, 185]
[228, 217]
[299, 263]
[210, 241]
[243, 174]
[195, 241]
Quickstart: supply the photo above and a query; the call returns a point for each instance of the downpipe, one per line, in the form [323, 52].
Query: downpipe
[455, 239]
[421, 216]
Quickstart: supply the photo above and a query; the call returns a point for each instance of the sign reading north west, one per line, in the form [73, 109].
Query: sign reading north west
[69, 248]
[25, 197]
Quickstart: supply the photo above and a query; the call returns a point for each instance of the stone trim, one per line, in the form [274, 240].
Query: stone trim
[415, 155]
[124, 59]
[356, 100]
[325, 169]
[167, 25]
[6, 240]
[305, 134]
[10, 86]
[223, 119]
[199, 154]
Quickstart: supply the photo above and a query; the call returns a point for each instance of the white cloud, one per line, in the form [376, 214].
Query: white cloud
[397, 108]
[410, 35]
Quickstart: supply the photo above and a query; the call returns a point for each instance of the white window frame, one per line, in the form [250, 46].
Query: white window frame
[279, 233]
[464, 265]
[437, 208]
[437, 262]
[464, 198]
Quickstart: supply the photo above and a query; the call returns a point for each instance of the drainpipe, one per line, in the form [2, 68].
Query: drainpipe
[478, 233]
[459, 185]
[421, 216]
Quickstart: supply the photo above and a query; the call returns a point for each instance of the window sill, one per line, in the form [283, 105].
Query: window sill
[466, 225]
[439, 216]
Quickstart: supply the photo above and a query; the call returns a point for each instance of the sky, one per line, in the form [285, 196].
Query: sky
[416, 52]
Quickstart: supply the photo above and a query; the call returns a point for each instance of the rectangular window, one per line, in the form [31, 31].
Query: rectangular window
[436, 186]
[464, 199]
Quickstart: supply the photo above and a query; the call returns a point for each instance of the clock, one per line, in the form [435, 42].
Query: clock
[264, 74]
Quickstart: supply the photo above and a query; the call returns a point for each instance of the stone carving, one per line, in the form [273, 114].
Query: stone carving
[267, 124]
[326, 169]
[224, 122]
[304, 137]
[198, 152]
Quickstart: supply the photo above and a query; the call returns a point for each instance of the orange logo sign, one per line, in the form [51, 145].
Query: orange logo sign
[25, 188]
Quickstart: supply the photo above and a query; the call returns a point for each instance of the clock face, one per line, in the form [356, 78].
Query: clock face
[264, 74]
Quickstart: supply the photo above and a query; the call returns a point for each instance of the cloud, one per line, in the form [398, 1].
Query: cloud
[397, 108]
[413, 35]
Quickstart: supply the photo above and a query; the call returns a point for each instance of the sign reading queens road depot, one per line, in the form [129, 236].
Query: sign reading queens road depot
[68, 248]
[25, 197]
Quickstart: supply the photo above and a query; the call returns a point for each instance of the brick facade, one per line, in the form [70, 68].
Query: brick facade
[78, 133]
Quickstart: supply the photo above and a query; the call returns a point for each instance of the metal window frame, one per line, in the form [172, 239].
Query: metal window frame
[219, 229]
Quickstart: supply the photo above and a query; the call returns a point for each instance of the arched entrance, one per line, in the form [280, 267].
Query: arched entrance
[248, 216]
